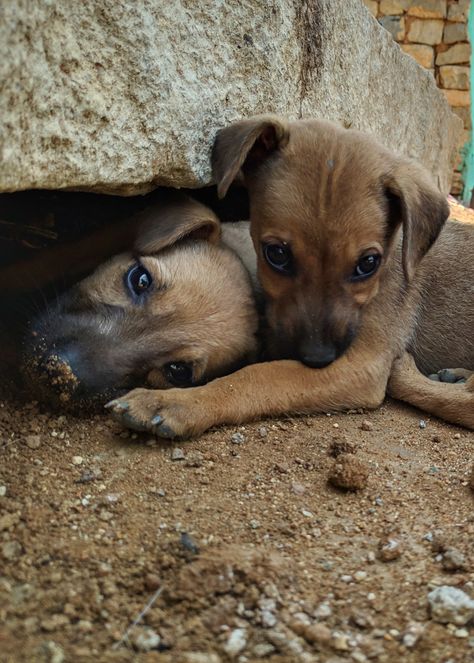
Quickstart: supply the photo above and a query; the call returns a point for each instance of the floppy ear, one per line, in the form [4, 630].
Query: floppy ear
[245, 143]
[422, 210]
[173, 219]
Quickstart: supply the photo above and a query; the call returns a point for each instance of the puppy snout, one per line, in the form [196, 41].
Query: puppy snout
[317, 355]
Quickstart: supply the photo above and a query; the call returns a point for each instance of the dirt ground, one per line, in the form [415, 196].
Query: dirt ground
[238, 545]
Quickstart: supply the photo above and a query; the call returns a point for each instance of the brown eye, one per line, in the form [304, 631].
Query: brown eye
[366, 266]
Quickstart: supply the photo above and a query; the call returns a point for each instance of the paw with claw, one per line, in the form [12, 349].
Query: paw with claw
[452, 375]
[170, 413]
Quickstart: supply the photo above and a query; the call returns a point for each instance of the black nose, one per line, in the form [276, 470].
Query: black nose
[317, 356]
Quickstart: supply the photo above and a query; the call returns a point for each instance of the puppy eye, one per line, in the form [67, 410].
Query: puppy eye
[179, 373]
[366, 266]
[279, 257]
[138, 280]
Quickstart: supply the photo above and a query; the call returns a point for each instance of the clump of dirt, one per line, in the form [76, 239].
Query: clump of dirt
[115, 548]
[349, 473]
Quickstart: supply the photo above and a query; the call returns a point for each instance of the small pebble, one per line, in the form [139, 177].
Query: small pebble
[3, 491]
[145, 639]
[194, 459]
[77, 460]
[188, 543]
[268, 619]
[340, 641]
[237, 641]
[254, 524]
[298, 488]
[11, 550]
[177, 454]
[413, 633]
[237, 438]
[461, 633]
[263, 649]
[33, 441]
[360, 575]
[152, 582]
[422, 423]
[339, 447]
[323, 611]
[262, 431]
[389, 549]
[453, 560]
[346, 578]
[367, 425]
[317, 634]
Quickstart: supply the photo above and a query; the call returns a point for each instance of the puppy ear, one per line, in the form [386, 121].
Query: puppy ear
[245, 143]
[175, 218]
[422, 210]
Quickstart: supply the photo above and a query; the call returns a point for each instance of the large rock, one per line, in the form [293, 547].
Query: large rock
[124, 95]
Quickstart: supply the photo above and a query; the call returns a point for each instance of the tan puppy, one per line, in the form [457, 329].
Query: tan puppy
[177, 311]
[343, 230]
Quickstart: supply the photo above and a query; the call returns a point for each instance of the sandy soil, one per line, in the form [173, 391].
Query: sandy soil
[240, 544]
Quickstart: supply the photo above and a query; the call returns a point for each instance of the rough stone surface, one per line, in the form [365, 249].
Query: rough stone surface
[428, 8]
[422, 53]
[457, 97]
[454, 77]
[395, 25]
[394, 7]
[457, 11]
[454, 32]
[121, 96]
[457, 54]
[426, 32]
[465, 115]
[371, 6]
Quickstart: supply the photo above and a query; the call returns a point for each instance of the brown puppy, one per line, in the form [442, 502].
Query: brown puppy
[353, 272]
[177, 311]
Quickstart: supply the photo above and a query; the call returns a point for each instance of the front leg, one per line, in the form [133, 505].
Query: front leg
[453, 402]
[256, 391]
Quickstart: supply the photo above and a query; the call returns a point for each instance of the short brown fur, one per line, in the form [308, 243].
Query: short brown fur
[200, 310]
[333, 194]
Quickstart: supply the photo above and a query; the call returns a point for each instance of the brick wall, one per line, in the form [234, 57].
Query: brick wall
[435, 33]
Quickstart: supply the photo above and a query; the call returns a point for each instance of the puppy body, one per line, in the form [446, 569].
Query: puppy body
[330, 203]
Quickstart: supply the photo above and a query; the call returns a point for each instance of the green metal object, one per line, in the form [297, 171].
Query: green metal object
[468, 149]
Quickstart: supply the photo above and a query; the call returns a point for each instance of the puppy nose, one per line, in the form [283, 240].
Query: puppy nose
[60, 366]
[317, 356]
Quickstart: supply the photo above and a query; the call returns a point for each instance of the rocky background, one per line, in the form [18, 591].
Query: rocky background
[435, 33]
[124, 96]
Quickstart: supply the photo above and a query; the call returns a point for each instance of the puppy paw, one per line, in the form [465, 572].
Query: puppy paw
[170, 414]
[452, 375]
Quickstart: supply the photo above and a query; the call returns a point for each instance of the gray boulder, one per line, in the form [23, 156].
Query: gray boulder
[121, 96]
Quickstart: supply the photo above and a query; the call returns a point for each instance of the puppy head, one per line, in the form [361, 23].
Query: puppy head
[326, 208]
[177, 311]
